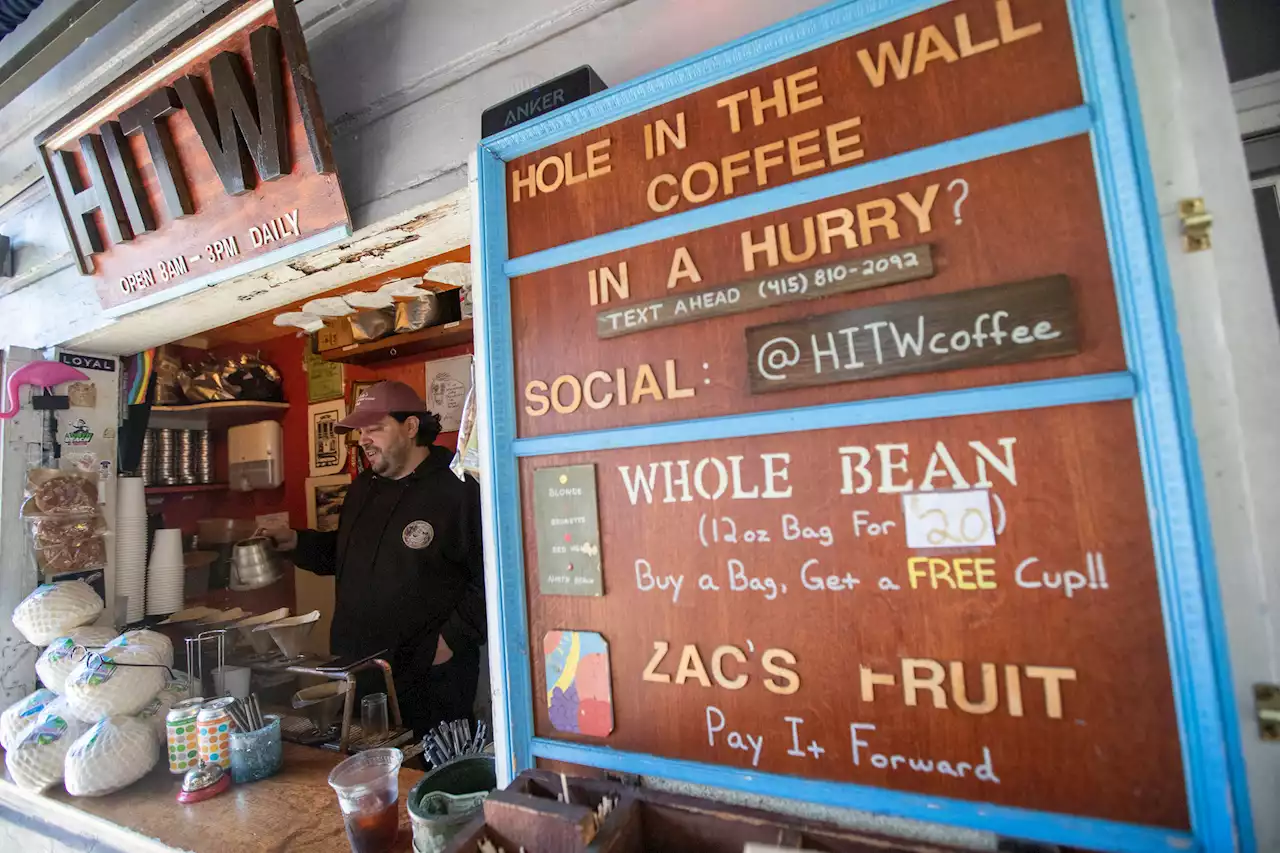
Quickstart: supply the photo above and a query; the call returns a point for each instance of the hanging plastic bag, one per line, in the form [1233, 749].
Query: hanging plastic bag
[52, 492]
[254, 379]
[372, 324]
[67, 529]
[413, 315]
[75, 544]
[168, 368]
[207, 382]
[467, 458]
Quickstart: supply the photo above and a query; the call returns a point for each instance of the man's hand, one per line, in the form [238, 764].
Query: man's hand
[285, 539]
[443, 652]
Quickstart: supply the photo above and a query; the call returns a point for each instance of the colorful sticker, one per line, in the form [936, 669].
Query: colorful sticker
[41, 591]
[579, 696]
[37, 706]
[79, 435]
[98, 671]
[126, 641]
[46, 731]
[60, 649]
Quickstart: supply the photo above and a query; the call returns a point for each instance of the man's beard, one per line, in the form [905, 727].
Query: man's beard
[389, 462]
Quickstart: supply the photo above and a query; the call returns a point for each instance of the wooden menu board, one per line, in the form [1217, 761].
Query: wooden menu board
[822, 611]
[966, 607]
[1028, 214]
[958, 69]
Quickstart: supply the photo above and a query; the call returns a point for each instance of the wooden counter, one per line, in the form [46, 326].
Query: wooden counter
[293, 810]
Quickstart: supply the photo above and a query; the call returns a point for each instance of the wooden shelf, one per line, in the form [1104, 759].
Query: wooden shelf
[214, 415]
[403, 345]
[181, 490]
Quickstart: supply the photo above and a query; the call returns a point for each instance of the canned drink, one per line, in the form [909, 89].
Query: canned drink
[180, 734]
[213, 727]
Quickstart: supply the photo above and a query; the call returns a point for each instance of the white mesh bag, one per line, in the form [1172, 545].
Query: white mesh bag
[154, 714]
[119, 681]
[39, 757]
[56, 661]
[18, 717]
[178, 687]
[113, 754]
[54, 609]
[158, 645]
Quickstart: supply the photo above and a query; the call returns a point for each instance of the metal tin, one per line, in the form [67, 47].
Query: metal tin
[147, 464]
[180, 735]
[166, 471]
[213, 727]
[203, 457]
[185, 446]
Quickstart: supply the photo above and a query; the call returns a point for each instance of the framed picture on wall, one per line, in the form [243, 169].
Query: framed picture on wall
[358, 387]
[328, 449]
[324, 500]
[448, 381]
[324, 378]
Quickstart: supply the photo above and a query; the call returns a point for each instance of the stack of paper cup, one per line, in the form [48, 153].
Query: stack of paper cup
[131, 547]
[165, 573]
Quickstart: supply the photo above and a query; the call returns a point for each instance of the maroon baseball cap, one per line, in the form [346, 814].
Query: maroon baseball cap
[377, 402]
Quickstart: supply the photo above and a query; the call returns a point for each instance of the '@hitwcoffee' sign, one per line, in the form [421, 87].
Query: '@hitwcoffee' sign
[209, 159]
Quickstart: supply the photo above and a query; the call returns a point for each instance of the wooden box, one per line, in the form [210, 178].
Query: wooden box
[527, 814]
[336, 334]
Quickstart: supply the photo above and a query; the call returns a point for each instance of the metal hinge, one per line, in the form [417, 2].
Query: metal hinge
[1196, 225]
[1266, 704]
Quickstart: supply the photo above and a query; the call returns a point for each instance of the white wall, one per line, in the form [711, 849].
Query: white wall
[1231, 344]
[19, 445]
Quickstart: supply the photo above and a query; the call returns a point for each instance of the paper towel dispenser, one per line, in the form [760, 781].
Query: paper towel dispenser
[255, 453]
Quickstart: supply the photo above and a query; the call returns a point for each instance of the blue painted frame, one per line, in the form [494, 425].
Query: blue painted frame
[1217, 794]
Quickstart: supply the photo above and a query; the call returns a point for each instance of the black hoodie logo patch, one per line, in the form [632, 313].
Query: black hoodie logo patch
[418, 534]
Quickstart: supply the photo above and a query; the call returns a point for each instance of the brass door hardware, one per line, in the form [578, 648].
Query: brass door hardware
[1196, 225]
[1266, 703]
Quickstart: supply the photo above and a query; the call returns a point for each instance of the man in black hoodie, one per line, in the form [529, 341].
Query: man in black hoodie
[407, 558]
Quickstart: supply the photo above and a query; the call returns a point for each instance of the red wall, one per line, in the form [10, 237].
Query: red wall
[286, 355]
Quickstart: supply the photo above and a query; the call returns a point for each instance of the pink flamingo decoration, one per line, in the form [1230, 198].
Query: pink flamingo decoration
[42, 374]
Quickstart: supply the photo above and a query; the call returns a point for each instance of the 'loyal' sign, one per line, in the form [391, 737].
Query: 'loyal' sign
[990, 325]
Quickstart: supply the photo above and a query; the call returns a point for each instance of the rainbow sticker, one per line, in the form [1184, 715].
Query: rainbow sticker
[579, 698]
[143, 364]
